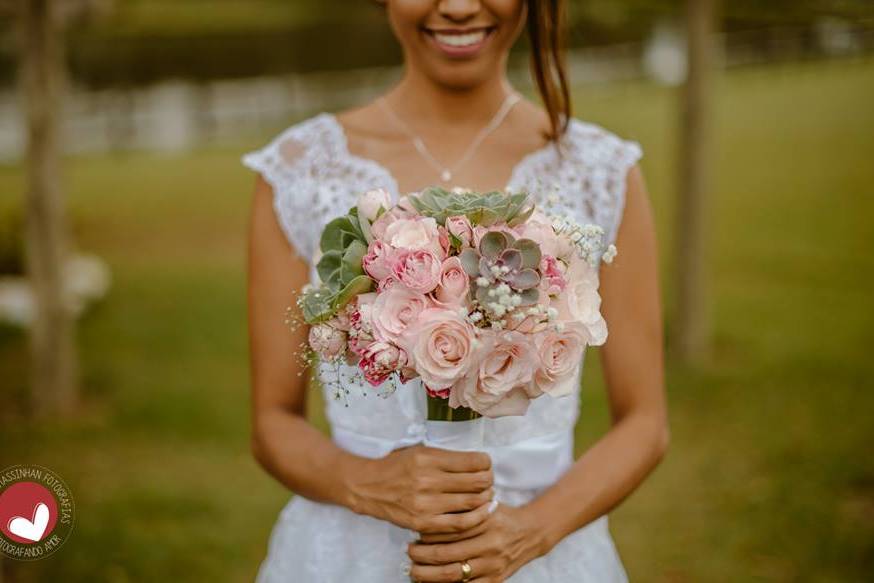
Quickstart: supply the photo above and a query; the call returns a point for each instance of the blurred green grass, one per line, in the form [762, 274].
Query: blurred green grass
[769, 477]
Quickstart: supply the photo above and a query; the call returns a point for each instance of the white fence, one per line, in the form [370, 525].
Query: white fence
[178, 115]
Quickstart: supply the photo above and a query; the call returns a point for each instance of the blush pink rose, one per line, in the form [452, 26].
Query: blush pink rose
[379, 360]
[453, 285]
[552, 270]
[560, 356]
[394, 311]
[418, 233]
[581, 303]
[377, 262]
[501, 382]
[460, 227]
[360, 325]
[442, 347]
[379, 226]
[417, 269]
[539, 228]
[328, 342]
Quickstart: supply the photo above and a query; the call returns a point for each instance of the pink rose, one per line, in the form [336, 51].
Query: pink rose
[377, 262]
[453, 284]
[500, 384]
[394, 310]
[560, 356]
[460, 227]
[538, 227]
[419, 270]
[552, 280]
[379, 226]
[360, 325]
[328, 342]
[419, 233]
[379, 360]
[438, 394]
[581, 303]
[385, 284]
[372, 201]
[442, 347]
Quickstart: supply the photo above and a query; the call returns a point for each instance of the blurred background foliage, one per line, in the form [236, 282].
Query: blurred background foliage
[770, 474]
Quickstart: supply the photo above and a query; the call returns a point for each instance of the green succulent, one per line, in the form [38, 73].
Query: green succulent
[502, 259]
[484, 209]
[343, 245]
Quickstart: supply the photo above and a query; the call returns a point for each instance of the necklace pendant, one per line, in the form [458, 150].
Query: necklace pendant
[446, 176]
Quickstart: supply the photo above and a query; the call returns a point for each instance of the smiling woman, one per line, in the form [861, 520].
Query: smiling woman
[373, 504]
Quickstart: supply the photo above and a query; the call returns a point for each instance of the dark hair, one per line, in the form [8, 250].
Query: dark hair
[547, 35]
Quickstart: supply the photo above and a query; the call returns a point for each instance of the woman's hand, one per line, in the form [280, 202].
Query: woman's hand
[496, 549]
[423, 489]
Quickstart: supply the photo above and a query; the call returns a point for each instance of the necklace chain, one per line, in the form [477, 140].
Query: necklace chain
[446, 172]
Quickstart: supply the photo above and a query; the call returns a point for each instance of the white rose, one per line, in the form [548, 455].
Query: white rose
[371, 201]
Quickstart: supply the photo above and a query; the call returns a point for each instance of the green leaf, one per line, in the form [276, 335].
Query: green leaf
[318, 305]
[328, 266]
[359, 285]
[339, 233]
[350, 265]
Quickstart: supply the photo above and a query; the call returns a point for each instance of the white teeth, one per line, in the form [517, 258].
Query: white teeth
[460, 40]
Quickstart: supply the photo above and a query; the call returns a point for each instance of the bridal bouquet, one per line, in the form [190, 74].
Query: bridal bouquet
[483, 297]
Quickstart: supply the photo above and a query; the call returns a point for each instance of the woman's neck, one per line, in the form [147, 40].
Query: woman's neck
[417, 96]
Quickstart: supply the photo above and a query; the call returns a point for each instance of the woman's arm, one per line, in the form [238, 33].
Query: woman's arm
[420, 488]
[617, 464]
[633, 364]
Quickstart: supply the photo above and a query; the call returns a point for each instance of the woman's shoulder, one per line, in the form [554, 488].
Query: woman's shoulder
[589, 143]
[295, 145]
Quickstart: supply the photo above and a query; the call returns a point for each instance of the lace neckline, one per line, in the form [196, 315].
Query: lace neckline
[517, 173]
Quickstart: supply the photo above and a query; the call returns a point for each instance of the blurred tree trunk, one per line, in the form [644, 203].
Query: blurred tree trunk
[53, 355]
[692, 334]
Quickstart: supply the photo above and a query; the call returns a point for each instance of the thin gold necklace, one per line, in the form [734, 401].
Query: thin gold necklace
[446, 172]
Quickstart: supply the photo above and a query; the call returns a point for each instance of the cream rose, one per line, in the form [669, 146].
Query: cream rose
[560, 356]
[394, 310]
[370, 203]
[328, 342]
[418, 233]
[442, 346]
[501, 382]
[581, 303]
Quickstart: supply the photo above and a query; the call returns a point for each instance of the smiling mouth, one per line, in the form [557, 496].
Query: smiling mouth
[460, 41]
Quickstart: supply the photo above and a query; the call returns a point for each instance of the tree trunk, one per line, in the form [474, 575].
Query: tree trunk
[692, 329]
[53, 357]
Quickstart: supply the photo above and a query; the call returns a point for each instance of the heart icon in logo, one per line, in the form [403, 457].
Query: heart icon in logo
[32, 529]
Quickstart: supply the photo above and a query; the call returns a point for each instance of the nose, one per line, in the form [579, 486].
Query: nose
[459, 10]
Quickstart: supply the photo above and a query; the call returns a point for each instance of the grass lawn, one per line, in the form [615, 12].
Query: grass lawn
[770, 474]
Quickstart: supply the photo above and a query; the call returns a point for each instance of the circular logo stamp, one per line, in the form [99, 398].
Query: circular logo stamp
[37, 512]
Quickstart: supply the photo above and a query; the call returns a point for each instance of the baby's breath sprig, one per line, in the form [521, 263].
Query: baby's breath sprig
[588, 239]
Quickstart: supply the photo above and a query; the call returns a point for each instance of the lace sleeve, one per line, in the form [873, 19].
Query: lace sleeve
[282, 163]
[625, 155]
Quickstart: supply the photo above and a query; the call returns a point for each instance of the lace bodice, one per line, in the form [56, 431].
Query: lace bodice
[315, 178]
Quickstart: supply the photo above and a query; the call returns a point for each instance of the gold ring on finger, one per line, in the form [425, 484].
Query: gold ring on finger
[466, 572]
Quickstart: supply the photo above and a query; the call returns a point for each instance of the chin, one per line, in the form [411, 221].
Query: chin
[461, 76]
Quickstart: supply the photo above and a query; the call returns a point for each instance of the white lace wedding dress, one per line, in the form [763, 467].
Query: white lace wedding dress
[315, 178]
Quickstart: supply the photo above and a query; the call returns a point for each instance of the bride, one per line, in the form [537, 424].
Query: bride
[372, 503]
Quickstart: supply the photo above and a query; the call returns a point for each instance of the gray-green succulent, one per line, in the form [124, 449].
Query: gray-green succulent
[502, 259]
[484, 209]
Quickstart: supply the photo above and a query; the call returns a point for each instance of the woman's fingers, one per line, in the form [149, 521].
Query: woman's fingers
[455, 536]
[452, 571]
[447, 503]
[463, 482]
[453, 523]
[460, 461]
[444, 554]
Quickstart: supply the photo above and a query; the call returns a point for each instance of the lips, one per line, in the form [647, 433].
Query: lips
[460, 42]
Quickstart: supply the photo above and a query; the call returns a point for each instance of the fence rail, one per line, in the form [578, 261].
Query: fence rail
[179, 115]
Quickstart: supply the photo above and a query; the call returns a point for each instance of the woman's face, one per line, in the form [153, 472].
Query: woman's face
[457, 43]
